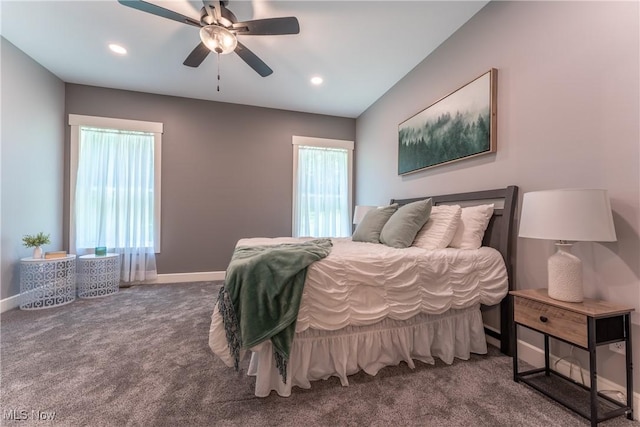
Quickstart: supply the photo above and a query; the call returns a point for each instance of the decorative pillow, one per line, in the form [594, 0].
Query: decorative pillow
[369, 228]
[405, 223]
[474, 222]
[439, 230]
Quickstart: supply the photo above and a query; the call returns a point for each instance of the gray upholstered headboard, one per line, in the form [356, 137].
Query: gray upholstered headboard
[500, 235]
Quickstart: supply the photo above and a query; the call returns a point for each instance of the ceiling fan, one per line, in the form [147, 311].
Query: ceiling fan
[219, 29]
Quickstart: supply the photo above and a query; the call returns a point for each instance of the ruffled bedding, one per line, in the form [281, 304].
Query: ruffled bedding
[319, 355]
[362, 283]
[365, 285]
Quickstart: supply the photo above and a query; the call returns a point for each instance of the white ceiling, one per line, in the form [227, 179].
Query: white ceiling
[360, 48]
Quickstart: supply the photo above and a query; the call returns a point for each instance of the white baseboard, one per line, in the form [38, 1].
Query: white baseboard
[535, 357]
[9, 303]
[205, 276]
[493, 341]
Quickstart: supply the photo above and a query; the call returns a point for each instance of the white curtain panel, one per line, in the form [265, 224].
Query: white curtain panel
[323, 194]
[115, 198]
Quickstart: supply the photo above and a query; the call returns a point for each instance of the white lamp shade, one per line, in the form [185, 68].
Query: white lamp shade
[567, 214]
[360, 212]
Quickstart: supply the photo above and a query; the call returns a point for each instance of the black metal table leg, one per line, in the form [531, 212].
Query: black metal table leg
[591, 336]
[546, 355]
[515, 352]
[629, 363]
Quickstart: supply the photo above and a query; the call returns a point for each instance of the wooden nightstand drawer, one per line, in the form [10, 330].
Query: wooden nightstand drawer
[565, 324]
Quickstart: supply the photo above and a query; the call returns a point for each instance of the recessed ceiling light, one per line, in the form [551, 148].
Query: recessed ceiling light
[116, 48]
[316, 80]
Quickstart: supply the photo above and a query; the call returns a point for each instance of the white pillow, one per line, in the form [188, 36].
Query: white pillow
[439, 230]
[474, 222]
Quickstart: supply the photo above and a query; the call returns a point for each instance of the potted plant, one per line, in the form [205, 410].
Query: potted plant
[35, 241]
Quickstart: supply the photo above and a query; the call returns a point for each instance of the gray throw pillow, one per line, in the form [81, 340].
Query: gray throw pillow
[405, 223]
[369, 228]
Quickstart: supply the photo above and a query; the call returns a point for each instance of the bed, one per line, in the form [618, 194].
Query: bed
[440, 303]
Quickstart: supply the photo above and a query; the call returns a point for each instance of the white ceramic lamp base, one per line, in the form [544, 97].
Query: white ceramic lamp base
[565, 275]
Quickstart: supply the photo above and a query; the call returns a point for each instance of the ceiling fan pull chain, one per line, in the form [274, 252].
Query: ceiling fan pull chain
[218, 71]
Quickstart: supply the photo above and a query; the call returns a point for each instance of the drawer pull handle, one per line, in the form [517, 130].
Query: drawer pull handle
[543, 319]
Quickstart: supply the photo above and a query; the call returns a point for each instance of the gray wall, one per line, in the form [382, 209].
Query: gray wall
[31, 160]
[568, 116]
[226, 169]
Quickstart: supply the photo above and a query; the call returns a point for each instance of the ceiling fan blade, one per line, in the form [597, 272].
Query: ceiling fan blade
[252, 60]
[197, 55]
[268, 27]
[159, 11]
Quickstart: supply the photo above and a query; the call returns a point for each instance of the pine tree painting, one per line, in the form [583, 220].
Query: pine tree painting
[453, 128]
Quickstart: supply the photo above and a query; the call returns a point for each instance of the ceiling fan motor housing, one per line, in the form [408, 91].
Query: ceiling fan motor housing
[227, 18]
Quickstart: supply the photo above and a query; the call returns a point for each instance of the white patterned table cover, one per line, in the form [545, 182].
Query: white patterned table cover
[47, 283]
[98, 275]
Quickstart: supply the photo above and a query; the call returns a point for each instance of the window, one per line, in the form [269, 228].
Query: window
[322, 187]
[115, 190]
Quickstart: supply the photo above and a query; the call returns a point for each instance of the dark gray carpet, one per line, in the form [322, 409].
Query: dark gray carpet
[140, 358]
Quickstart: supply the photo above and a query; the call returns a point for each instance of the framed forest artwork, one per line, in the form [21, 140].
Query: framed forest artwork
[458, 126]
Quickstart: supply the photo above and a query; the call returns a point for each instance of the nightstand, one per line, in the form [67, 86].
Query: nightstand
[98, 275]
[587, 325]
[47, 283]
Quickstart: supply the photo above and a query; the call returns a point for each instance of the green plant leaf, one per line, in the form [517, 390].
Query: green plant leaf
[33, 240]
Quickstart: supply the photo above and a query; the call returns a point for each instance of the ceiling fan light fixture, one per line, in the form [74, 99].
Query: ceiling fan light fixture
[218, 39]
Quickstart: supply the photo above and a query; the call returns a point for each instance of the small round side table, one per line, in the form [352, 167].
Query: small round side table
[98, 275]
[47, 283]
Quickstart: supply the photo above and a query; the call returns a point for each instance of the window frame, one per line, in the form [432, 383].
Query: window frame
[76, 122]
[308, 141]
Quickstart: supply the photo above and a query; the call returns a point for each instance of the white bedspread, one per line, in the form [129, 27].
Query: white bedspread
[362, 283]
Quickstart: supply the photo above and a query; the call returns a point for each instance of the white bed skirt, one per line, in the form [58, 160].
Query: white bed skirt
[319, 355]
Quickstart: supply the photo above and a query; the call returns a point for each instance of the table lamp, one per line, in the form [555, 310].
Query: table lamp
[567, 216]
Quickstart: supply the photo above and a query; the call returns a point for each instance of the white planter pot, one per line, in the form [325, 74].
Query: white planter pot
[37, 252]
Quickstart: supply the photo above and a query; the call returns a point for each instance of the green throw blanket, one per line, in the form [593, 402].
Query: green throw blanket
[261, 295]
